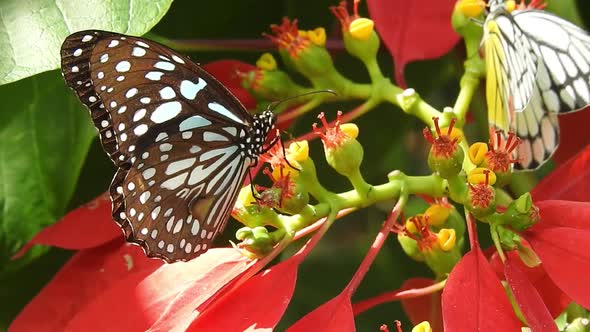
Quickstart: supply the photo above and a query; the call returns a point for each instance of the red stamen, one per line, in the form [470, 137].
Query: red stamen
[435, 120]
[356, 8]
[428, 135]
[398, 325]
[384, 328]
[451, 125]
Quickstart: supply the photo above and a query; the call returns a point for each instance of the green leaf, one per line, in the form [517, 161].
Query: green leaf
[566, 9]
[31, 32]
[45, 134]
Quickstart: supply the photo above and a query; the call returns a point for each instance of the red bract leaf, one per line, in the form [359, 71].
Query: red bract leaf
[555, 300]
[333, 316]
[257, 304]
[414, 30]
[423, 308]
[86, 227]
[569, 181]
[165, 300]
[226, 72]
[474, 300]
[529, 301]
[565, 253]
[570, 214]
[573, 134]
[84, 277]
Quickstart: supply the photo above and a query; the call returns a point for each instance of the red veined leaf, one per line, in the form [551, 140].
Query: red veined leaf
[529, 301]
[83, 278]
[414, 30]
[573, 134]
[569, 181]
[333, 316]
[424, 308]
[167, 298]
[555, 300]
[565, 253]
[474, 300]
[571, 214]
[226, 71]
[88, 226]
[257, 304]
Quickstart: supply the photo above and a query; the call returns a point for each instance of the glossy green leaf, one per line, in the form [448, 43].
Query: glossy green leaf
[45, 134]
[31, 32]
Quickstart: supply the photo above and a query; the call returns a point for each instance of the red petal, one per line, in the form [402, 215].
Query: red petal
[414, 30]
[555, 300]
[226, 72]
[569, 181]
[529, 301]
[474, 300]
[565, 253]
[86, 227]
[424, 308]
[564, 214]
[260, 302]
[84, 277]
[167, 299]
[333, 316]
[573, 134]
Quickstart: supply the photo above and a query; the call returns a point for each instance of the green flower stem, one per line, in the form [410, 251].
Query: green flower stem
[410, 102]
[431, 185]
[469, 84]
[497, 242]
[359, 184]
[457, 188]
[374, 70]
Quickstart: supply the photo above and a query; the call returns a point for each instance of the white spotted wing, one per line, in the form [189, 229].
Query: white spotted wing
[179, 138]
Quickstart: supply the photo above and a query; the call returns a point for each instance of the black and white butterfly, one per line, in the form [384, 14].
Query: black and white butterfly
[538, 66]
[182, 142]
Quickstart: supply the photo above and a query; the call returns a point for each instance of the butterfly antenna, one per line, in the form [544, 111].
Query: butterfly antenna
[285, 153]
[276, 103]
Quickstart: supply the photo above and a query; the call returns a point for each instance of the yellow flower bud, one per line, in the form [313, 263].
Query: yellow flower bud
[510, 5]
[447, 239]
[478, 176]
[411, 226]
[455, 133]
[266, 62]
[470, 8]
[298, 151]
[477, 152]
[437, 214]
[350, 129]
[317, 36]
[422, 327]
[361, 28]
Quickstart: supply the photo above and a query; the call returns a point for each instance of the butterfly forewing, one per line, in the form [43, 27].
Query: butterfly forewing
[182, 141]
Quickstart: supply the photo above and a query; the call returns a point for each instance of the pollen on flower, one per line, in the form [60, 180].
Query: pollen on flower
[283, 188]
[417, 228]
[332, 137]
[534, 4]
[341, 13]
[288, 37]
[317, 36]
[266, 62]
[444, 145]
[499, 156]
[481, 194]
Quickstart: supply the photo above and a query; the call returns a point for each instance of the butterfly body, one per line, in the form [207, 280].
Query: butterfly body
[182, 142]
[538, 66]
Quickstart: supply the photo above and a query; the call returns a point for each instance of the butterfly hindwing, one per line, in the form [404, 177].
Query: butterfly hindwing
[565, 51]
[183, 143]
